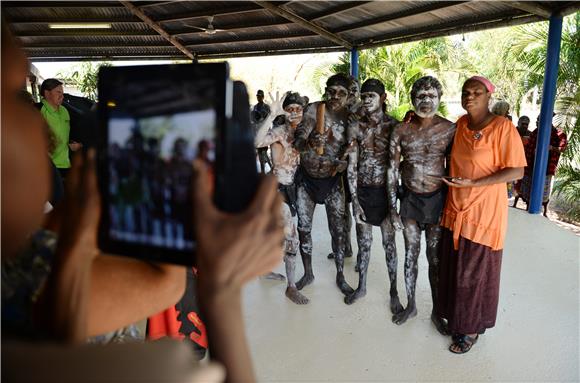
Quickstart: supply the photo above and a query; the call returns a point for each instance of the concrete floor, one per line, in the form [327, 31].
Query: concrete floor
[535, 338]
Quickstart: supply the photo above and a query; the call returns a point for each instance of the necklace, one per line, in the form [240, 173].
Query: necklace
[478, 134]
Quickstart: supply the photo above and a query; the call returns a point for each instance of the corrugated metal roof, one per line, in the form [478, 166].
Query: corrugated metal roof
[252, 28]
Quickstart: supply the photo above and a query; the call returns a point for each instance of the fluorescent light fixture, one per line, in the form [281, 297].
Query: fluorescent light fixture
[80, 26]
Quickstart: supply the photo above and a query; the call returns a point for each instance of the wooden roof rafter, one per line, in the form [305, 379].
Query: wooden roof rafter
[158, 28]
[304, 23]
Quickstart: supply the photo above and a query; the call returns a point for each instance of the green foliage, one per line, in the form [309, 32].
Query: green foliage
[530, 48]
[399, 66]
[85, 77]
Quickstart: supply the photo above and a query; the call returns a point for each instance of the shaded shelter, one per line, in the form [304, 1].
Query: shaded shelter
[196, 30]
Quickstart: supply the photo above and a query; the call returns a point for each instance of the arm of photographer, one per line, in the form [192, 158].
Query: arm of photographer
[87, 294]
[118, 291]
[249, 245]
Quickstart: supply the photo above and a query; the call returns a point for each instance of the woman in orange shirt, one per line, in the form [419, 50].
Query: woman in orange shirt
[487, 152]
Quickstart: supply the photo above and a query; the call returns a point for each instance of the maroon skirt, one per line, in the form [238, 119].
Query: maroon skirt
[468, 284]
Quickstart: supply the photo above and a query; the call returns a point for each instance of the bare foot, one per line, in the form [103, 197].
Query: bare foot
[358, 293]
[402, 317]
[274, 277]
[440, 324]
[304, 281]
[396, 306]
[342, 285]
[346, 255]
[296, 296]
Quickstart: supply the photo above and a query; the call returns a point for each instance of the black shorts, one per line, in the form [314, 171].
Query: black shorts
[423, 208]
[318, 188]
[289, 192]
[374, 202]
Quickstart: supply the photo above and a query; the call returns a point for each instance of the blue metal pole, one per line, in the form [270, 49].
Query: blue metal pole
[546, 112]
[354, 63]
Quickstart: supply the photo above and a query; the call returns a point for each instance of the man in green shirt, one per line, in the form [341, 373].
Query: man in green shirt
[58, 120]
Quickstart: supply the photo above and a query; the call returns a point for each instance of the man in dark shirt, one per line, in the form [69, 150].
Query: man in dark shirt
[558, 143]
[258, 114]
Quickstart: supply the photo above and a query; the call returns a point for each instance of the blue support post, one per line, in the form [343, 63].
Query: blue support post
[354, 63]
[546, 113]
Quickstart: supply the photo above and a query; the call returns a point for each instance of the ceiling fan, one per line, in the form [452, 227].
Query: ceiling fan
[210, 30]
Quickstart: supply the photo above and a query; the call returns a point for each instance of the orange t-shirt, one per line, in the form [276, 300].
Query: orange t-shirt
[480, 213]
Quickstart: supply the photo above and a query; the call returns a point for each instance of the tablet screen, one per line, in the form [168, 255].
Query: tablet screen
[158, 120]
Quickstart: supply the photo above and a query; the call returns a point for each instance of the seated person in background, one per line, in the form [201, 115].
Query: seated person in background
[63, 289]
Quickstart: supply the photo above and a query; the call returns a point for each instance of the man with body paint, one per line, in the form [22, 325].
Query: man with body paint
[369, 133]
[423, 143]
[286, 159]
[352, 103]
[321, 141]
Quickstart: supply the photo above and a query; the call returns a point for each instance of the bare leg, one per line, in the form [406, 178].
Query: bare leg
[348, 226]
[305, 207]
[433, 235]
[364, 240]
[347, 230]
[274, 276]
[388, 234]
[264, 159]
[335, 209]
[356, 267]
[412, 234]
[291, 291]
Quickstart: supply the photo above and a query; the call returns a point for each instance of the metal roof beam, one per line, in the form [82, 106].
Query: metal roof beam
[147, 4]
[398, 15]
[103, 57]
[123, 44]
[304, 23]
[238, 9]
[569, 9]
[144, 33]
[295, 35]
[60, 4]
[346, 6]
[44, 20]
[83, 33]
[533, 8]
[290, 51]
[115, 45]
[447, 29]
[158, 28]
[243, 8]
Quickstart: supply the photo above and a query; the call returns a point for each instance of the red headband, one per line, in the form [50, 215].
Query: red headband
[488, 85]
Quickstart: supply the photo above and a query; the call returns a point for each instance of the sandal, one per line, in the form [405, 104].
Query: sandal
[463, 342]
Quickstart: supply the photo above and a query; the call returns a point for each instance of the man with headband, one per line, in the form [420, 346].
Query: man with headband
[286, 159]
[321, 141]
[369, 133]
[423, 142]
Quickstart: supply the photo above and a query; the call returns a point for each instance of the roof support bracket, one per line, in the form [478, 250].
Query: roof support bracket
[304, 23]
[158, 28]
